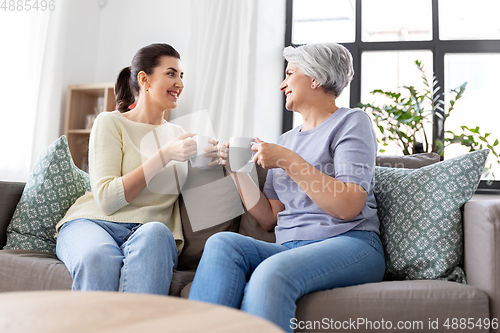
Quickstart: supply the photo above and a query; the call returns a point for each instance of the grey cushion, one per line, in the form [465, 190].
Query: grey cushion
[23, 270]
[391, 301]
[248, 225]
[32, 270]
[179, 281]
[395, 301]
[414, 161]
[194, 241]
[185, 291]
[10, 193]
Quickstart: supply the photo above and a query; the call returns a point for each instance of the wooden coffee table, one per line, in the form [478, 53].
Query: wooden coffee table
[69, 311]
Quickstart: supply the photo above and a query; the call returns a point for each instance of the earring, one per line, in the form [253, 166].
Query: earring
[147, 91]
[313, 86]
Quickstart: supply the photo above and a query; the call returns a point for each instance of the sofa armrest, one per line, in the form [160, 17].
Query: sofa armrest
[10, 193]
[482, 249]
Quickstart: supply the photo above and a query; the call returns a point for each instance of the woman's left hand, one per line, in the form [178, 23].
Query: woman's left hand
[270, 155]
[213, 152]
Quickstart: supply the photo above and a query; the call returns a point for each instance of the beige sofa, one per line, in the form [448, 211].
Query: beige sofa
[404, 306]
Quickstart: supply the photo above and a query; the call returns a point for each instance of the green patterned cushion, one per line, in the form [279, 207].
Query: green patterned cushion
[53, 186]
[420, 217]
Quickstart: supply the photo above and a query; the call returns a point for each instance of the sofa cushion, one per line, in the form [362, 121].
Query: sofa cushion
[414, 161]
[32, 270]
[416, 304]
[10, 193]
[180, 279]
[209, 203]
[248, 225]
[24, 270]
[388, 301]
[421, 221]
[53, 186]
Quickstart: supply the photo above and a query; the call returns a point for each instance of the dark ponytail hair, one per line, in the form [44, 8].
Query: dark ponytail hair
[123, 92]
[146, 60]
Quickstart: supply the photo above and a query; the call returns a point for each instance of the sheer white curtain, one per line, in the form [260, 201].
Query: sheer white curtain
[233, 68]
[220, 59]
[22, 36]
[51, 90]
[26, 84]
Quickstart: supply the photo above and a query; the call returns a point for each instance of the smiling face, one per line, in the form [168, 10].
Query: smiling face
[165, 83]
[296, 87]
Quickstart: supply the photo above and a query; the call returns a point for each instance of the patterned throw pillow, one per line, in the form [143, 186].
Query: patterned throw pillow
[420, 218]
[53, 186]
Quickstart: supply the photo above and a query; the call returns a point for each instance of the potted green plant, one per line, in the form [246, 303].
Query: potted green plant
[404, 118]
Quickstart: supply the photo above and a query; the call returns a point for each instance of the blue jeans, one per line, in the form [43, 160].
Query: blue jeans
[127, 257]
[266, 279]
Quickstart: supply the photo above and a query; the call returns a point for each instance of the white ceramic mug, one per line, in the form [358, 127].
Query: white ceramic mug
[241, 154]
[200, 161]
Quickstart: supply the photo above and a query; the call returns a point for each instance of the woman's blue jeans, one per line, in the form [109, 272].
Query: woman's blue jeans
[108, 256]
[266, 279]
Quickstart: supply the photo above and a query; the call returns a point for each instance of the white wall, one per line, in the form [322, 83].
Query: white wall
[111, 35]
[80, 31]
[127, 25]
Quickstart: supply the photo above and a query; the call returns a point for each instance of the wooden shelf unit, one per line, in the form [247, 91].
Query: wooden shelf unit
[84, 102]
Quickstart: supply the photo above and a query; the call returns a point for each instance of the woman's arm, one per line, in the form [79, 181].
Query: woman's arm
[112, 190]
[177, 149]
[263, 210]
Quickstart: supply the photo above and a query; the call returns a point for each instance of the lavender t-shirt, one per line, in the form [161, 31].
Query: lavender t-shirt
[344, 147]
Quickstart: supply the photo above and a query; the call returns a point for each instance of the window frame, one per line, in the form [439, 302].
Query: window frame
[439, 49]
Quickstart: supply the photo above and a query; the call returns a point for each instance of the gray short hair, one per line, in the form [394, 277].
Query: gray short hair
[328, 63]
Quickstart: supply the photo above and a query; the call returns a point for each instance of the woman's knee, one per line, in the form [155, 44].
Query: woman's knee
[270, 289]
[156, 233]
[224, 240]
[272, 274]
[79, 251]
[94, 261]
[151, 240]
[155, 228]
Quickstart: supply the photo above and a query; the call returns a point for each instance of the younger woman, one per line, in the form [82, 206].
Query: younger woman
[126, 233]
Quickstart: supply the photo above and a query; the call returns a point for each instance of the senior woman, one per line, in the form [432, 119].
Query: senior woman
[318, 197]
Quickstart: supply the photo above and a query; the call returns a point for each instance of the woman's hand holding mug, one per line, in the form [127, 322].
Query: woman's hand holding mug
[271, 155]
[206, 152]
[180, 148]
[236, 155]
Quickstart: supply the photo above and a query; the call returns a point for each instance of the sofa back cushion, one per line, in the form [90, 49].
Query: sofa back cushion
[209, 203]
[10, 193]
[414, 161]
[248, 225]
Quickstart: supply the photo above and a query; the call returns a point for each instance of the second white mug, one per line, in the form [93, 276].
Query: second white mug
[241, 154]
